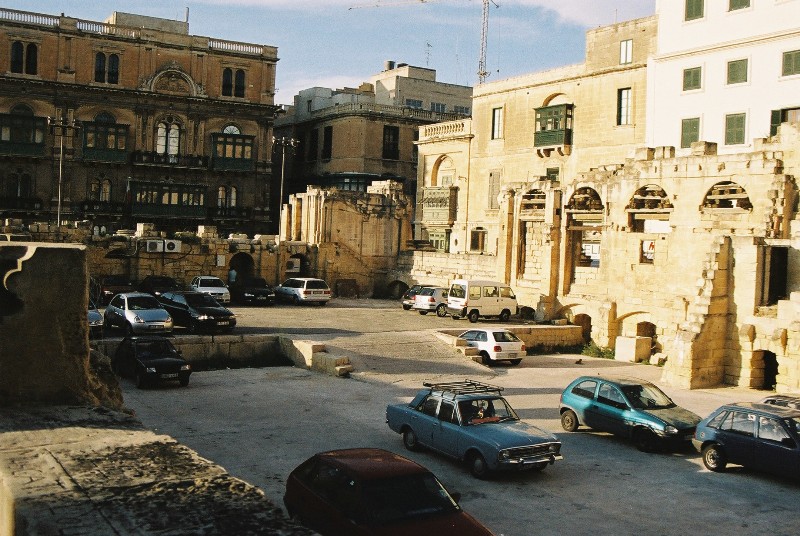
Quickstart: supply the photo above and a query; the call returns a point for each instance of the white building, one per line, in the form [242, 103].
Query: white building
[725, 71]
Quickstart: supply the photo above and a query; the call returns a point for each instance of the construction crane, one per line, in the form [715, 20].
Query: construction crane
[482, 72]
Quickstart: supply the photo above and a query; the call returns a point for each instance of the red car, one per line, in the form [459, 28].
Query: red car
[374, 492]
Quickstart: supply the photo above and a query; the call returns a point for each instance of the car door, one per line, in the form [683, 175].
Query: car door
[775, 450]
[737, 435]
[581, 398]
[115, 311]
[490, 302]
[425, 420]
[179, 309]
[447, 432]
[329, 510]
[608, 410]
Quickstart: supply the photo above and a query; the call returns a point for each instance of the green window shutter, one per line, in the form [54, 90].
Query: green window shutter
[694, 9]
[791, 63]
[775, 120]
[690, 131]
[692, 78]
[737, 71]
[734, 129]
[738, 4]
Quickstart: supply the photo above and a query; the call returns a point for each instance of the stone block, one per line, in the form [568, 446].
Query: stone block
[632, 349]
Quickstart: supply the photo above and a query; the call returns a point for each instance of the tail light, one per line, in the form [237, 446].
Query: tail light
[523, 348]
[498, 348]
[431, 300]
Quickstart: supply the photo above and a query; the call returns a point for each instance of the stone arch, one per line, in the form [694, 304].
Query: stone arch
[727, 194]
[243, 264]
[396, 289]
[556, 98]
[649, 197]
[443, 167]
[172, 79]
[585, 198]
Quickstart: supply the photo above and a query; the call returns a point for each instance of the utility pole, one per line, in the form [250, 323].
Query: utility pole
[64, 125]
[283, 143]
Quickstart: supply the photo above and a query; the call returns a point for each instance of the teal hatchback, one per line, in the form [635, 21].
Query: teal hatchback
[628, 407]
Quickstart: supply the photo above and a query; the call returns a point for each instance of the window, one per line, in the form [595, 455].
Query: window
[463, 110]
[692, 78]
[647, 252]
[106, 68]
[233, 84]
[230, 145]
[739, 422]
[19, 185]
[624, 106]
[438, 107]
[447, 412]
[24, 58]
[610, 395]
[22, 127]
[226, 197]
[313, 145]
[327, 142]
[100, 190]
[737, 71]
[391, 142]
[694, 9]
[104, 139]
[734, 129]
[690, 131]
[791, 63]
[733, 5]
[625, 51]
[786, 115]
[494, 189]
[477, 243]
[553, 125]
[552, 173]
[414, 103]
[497, 123]
[430, 406]
[585, 389]
[168, 138]
[771, 430]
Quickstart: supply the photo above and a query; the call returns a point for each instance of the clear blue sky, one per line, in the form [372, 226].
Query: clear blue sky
[325, 43]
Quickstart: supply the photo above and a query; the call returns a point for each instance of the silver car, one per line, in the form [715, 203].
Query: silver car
[430, 300]
[137, 312]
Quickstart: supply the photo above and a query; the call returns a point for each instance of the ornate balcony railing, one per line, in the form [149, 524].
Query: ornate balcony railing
[439, 205]
[169, 160]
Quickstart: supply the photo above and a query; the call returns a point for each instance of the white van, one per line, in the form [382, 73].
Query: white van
[474, 299]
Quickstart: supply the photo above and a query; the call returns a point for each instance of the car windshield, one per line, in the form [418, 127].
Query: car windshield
[200, 300]
[141, 303]
[211, 283]
[504, 336]
[390, 500]
[115, 280]
[646, 396]
[485, 410]
[149, 349]
[256, 282]
[793, 424]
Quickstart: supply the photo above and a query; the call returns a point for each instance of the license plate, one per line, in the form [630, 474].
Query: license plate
[512, 354]
[261, 298]
[155, 327]
[222, 323]
[168, 376]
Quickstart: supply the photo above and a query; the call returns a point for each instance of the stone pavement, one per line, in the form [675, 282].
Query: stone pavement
[92, 471]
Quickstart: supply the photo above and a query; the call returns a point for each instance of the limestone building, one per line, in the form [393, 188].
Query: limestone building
[349, 137]
[133, 120]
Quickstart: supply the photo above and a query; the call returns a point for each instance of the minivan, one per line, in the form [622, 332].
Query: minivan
[475, 299]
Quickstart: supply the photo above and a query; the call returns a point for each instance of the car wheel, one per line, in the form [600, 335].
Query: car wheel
[485, 360]
[714, 458]
[505, 315]
[569, 421]
[423, 312]
[296, 300]
[473, 316]
[515, 361]
[184, 382]
[477, 466]
[410, 440]
[441, 310]
[645, 440]
[406, 307]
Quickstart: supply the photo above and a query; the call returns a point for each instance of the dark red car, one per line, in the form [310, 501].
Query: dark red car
[374, 492]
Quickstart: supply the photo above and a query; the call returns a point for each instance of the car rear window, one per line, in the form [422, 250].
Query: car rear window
[211, 282]
[316, 284]
[504, 336]
[458, 291]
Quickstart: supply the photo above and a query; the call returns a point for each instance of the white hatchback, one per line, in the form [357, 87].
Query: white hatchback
[213, 286]
[431, 299]
[495, 345]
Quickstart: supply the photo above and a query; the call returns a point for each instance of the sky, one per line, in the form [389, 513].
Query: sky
[341, 43]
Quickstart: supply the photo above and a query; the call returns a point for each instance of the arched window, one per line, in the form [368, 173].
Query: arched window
[19, 185]
[238, 90]
[478, 239]
[100, 67]
[113, 69]
[17, 56]
[227, 82]
[24, 58]
[168, 138]
[106, 70]
[31, 59]
[100, 190]
[20, 126]
[226, 196]
[727, 195]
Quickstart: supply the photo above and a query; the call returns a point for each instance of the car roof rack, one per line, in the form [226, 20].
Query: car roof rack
[464, 388]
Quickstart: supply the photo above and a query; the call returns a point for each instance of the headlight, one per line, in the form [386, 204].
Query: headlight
[137, 319]
[554, 448]
[232, 317]
[249, 294]
[186, 367]
[504, 455]
[203, 317]
[671, 429]
[150, 370]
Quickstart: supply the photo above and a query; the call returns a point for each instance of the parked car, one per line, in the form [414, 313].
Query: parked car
[408, 296]
[213, 286]
[374, 492]
[476, 299]
[95, 321]
[786, 401]
[431, 299]
[149, 359]
[472, 422]
[111, 285]
[303, 290]
[764, 437]
[158, 284]
[628, 407]
[495, 345]
[252, 291]
[196, 311]
[137, 312]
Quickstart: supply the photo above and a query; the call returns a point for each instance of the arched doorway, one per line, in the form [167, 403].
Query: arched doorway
[243, 264]
[770, 361]
[648, 329]
[585, 322]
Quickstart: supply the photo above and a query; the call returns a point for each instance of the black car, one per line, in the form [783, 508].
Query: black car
[158, 284]
[149, 359]
[252, 291]
[111, 285]
[197, 311]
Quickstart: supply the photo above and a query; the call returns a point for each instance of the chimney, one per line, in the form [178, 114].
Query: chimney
[388, 65]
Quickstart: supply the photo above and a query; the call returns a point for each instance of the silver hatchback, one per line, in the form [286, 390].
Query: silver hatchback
[430, 300]
[137, 312]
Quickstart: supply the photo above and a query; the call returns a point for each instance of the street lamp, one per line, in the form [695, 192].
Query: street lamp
[64, 124]
[283, 142]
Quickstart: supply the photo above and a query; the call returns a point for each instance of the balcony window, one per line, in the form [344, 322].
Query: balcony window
[414, 103]
[100, 190]
[104, 139]
[438, 107]
[21, 132]
[232, 151]
[391, 142]
[477, 240]
[168, 138]
[226, 197]
[553, 125]
[233, 82]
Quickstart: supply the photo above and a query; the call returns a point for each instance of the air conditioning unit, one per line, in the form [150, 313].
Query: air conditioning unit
[293, 265]
[154, 246]
[172, 246]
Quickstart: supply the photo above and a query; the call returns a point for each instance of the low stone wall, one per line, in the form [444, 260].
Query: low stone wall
[539, 338]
